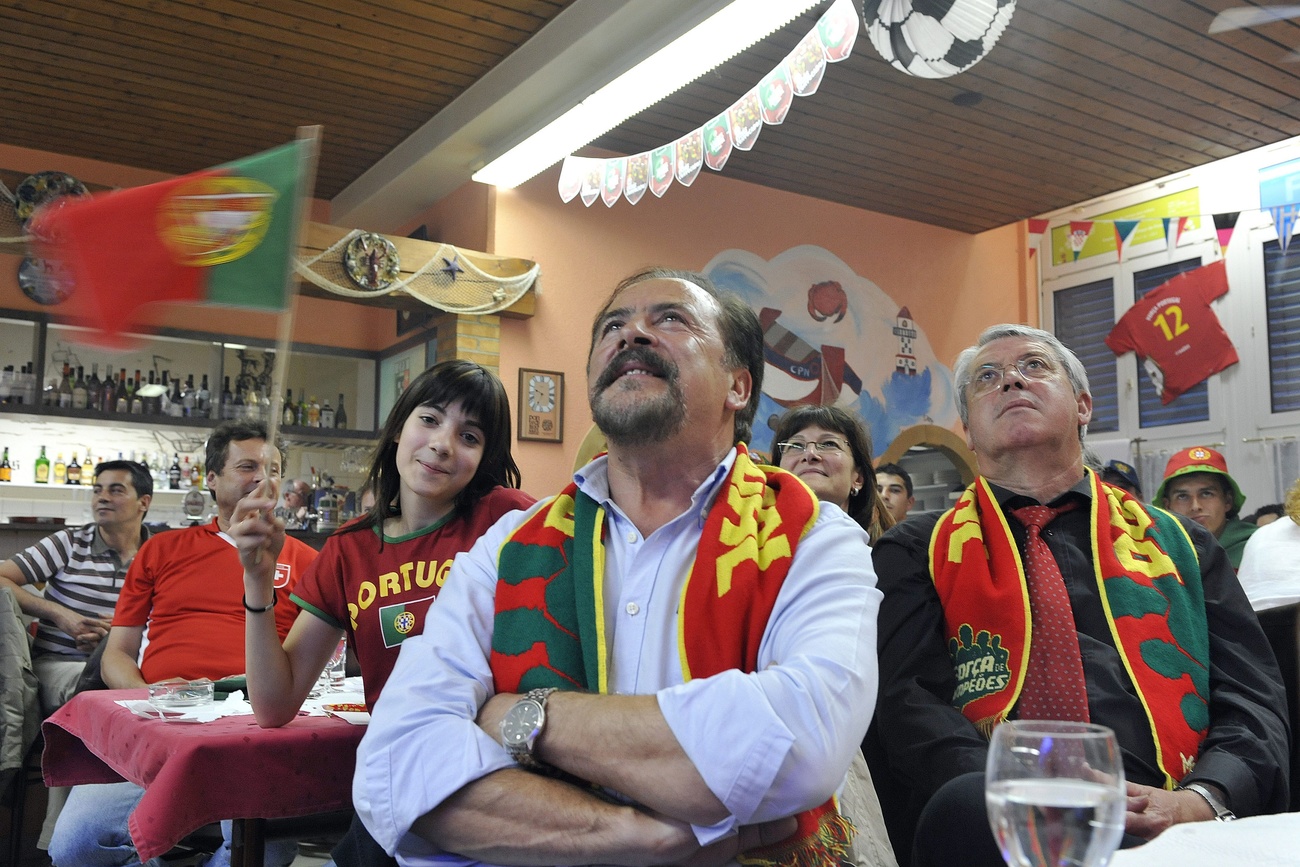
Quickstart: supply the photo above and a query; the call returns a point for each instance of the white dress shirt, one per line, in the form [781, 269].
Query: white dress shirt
[768, 744]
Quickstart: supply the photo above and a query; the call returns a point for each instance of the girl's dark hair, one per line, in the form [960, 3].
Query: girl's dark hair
[483, 397]
[865, 506]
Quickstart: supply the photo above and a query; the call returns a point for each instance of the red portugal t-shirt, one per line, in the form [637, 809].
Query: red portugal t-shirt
[379, 591]
[186, 588]
[1175, 329]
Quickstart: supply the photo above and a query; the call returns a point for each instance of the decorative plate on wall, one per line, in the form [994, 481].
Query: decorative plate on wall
[42, 187]
[41, 283]
[371, 261]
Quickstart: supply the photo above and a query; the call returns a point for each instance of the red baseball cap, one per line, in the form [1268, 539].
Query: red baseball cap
[1199, 459]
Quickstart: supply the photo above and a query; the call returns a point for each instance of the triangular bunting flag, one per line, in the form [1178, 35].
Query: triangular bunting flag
[1079, 232]
[1178, 232]
[1123, 231]
[1223, 226]
[1284, 219]
[1038, 227]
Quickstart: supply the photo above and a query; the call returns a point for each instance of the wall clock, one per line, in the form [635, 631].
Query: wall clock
[541, 405]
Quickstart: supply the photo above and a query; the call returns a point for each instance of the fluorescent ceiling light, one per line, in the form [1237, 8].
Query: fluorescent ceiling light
[709, 44]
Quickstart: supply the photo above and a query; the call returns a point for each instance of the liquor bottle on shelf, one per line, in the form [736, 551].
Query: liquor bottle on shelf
[186, 473]
[65, 388]
[94, 390]
[174, 474]
[176, 401]
[108, 399]
[88, 470]
[253, 405]
[80, 396]
[60, 471]
[151, 401]
[228, 401]
[189, 397]
[6, 471]
[29, 384]
[341, 416]
[42, 471]
[327, 414]
[302, 407]
[198, 476]
[122, 397]
[203, 401]
[137, 399]
[313, 412]
[290, 414]
[237, 405]
[73, 471]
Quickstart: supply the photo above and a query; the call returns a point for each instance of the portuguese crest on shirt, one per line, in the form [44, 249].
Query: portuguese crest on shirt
[980, 664]
[400, 620]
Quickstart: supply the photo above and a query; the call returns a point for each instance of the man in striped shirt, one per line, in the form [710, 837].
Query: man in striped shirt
[82, 569]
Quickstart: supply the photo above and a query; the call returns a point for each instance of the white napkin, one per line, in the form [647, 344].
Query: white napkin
[234, 705]
[1260, 841]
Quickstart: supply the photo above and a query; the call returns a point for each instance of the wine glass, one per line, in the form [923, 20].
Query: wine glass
[1055, 793]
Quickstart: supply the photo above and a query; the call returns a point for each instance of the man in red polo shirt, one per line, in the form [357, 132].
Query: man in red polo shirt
[180, 615]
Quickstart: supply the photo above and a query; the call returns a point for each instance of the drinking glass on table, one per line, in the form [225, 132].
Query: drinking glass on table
[335, 671]
[1055, 793]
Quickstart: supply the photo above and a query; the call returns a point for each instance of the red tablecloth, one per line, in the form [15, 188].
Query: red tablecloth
[197, 773]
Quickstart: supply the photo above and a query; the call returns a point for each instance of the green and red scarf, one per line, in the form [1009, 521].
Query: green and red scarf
[550, 629]
[1149, 581]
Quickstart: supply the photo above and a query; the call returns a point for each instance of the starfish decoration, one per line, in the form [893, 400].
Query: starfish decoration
[453, 266]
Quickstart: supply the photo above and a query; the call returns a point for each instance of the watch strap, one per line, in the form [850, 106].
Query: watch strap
[1221, 811]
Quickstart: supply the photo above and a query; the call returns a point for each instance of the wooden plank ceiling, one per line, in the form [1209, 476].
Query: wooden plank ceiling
[1078, 99]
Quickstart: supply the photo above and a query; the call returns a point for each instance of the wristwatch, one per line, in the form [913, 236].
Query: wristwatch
[1221, 811]
[523, 725]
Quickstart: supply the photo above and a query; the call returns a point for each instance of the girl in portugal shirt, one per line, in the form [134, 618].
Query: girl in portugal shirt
[442, 474]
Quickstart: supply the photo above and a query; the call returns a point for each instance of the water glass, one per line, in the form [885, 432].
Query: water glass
[335, 672]
[1055, 793]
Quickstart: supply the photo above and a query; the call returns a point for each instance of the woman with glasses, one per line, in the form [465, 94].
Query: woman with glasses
[830, 450]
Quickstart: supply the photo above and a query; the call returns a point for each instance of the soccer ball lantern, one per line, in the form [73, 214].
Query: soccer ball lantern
[935, 38]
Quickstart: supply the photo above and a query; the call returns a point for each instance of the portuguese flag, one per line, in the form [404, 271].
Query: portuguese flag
[226, 236]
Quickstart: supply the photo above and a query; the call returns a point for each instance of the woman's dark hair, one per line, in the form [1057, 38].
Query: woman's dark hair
[483, 397]
[865, 506]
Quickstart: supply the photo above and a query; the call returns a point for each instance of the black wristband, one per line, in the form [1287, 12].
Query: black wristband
[248, 607]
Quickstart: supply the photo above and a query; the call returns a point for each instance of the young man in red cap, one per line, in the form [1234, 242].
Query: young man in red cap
[1197, 485]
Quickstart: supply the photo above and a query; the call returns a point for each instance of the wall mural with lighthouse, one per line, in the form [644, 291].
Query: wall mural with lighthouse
[832, 336]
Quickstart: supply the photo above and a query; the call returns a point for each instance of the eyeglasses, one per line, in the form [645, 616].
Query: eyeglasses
[825, 447]
[988, 378]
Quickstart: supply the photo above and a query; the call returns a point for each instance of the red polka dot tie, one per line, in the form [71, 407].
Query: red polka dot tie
[1054, 686]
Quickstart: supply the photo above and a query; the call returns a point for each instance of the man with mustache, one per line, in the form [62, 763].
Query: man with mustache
[1048, 594]
[671, 660]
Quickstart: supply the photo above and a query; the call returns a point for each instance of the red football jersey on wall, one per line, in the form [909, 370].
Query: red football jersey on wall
[1174, 328]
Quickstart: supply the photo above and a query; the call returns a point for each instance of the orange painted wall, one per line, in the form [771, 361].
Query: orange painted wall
[955, 284]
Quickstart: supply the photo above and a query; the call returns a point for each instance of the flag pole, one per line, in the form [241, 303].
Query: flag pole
[309, 137]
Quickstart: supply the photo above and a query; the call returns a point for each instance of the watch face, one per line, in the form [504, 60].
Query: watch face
[521, 722]
[541, 393]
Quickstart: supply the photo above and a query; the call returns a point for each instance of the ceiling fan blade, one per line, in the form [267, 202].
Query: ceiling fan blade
[1240, 17]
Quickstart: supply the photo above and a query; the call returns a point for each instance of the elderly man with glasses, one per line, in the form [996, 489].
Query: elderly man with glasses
[1048, 594]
